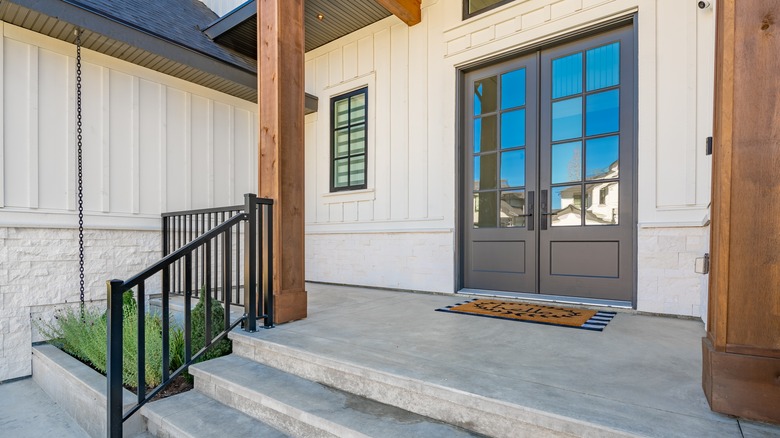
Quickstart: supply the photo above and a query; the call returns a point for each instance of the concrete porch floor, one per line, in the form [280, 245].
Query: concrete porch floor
[641, 375]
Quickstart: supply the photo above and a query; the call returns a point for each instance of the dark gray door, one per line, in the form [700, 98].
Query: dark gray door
[573, 234]
[500, 153]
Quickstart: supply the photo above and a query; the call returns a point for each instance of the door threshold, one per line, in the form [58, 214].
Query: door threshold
[547, 298]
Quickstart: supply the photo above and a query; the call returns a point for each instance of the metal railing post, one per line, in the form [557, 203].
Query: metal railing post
[114, 359]
[250, 262]
[269, 277]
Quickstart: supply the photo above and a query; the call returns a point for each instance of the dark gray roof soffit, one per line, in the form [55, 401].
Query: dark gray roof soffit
[125, 40]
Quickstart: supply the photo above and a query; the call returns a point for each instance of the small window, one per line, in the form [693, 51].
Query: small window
[348, 127]
[474, 7]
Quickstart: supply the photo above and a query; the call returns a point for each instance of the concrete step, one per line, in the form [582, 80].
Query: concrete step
[194, 415]
[303, 408]
[484, 415]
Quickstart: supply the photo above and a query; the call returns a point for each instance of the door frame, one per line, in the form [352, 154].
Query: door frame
[460, 162]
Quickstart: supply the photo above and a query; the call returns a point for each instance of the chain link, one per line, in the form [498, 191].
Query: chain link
[80, 182]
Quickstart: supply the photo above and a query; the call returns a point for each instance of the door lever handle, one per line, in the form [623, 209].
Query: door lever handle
[529, 223]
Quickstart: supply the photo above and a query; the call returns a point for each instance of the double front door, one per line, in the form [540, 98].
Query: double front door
[548, 165]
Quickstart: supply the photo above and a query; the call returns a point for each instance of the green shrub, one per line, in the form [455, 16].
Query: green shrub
[221, 348]
[85, 339]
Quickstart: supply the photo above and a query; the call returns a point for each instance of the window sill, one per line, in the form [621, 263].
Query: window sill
[349, 196]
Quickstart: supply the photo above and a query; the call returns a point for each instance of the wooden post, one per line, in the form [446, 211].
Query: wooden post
[741, 353]
[280, 48]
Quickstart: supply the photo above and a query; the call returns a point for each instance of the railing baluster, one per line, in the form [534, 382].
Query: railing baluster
[141, 347]
[188, 307]
[195, 233]
[166, 321]
[226, 275]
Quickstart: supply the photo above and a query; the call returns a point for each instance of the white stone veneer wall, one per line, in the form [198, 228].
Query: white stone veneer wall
[421, 261]
[666, 280]
[39, 270]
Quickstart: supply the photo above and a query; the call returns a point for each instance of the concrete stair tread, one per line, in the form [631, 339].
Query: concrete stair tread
[335, 412]
[193, 414]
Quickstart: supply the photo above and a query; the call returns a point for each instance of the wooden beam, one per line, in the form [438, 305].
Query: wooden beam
[280, 81]
[407, 10]
[741, 353]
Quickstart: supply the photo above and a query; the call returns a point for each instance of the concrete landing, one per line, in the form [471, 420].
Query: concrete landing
[641, 376]
[26, 411]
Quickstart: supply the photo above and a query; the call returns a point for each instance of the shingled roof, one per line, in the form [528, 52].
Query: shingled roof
[163, 35]
[178, 21]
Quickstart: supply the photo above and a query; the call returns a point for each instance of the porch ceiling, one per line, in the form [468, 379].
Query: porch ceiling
[238, 29]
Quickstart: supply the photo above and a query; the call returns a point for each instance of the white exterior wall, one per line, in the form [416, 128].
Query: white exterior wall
[413, 143]
[152, 143]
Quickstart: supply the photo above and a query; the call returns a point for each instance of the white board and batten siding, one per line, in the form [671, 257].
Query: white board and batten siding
[151, 143]
[401, 231]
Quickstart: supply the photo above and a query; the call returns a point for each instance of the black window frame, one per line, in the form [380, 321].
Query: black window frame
[332, 132]
[467, 15]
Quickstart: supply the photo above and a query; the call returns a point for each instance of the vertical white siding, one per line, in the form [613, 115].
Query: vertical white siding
[151, 143]
[151, 125]
[382, 125]
[54, 132]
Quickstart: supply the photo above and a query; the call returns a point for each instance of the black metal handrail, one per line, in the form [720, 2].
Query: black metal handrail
[180, 227]
[215, 244]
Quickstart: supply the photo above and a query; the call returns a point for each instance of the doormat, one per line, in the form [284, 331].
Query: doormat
[535, 313]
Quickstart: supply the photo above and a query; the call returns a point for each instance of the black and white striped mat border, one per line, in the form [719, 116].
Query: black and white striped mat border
[598, 321]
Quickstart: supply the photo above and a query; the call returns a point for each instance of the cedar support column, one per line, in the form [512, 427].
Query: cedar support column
[741, 353]
[280, 88]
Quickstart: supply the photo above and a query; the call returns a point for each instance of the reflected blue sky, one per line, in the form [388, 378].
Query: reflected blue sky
[513, 129]
[566, 162]
[513, 89]
[602, 112]
[567, 119]
[513, 168]
[600, 153]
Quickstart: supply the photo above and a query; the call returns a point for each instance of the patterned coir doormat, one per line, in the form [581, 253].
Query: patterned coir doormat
[536, 313]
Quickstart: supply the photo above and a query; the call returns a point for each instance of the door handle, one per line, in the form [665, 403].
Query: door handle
[529, 223]
[543, 209]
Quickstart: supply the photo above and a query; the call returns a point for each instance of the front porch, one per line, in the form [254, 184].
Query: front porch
[640, 376]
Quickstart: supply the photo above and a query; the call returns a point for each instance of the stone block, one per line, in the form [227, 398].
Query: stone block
[80, 390]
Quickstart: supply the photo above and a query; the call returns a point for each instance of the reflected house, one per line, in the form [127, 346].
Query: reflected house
[512, 207]
[601, 202]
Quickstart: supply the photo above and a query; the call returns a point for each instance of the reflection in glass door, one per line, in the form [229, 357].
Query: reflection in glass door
[549, 162]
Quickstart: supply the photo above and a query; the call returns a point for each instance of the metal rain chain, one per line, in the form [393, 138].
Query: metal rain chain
[80, 183]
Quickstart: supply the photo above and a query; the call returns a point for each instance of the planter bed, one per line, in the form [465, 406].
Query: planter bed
[80, 390]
